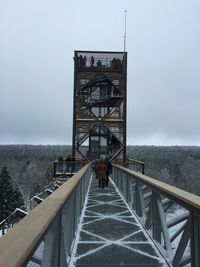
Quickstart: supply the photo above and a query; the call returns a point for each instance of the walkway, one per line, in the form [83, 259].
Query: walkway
[110, 234]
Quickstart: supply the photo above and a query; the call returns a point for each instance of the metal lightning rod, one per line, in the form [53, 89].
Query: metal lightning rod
[125, 31]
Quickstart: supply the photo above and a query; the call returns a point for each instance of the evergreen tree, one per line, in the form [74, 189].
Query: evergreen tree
[10, 196]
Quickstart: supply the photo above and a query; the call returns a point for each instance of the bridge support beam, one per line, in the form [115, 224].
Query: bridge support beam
[182, 246]
[164, 228]
[139, 200]
[155, 218]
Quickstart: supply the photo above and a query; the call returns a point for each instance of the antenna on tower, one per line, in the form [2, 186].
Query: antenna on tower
[125, 14]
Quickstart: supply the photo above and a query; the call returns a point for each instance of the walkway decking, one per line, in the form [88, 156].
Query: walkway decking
[110, 234]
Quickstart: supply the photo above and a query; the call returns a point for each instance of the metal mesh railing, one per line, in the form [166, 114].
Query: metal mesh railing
[170, 215]
[59, 238]
[65, 169]
[113, 61]
[45, 236]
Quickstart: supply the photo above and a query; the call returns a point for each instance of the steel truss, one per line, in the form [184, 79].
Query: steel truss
[99, 121]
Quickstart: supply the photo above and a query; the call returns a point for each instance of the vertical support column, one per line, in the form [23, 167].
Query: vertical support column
[182, 246]
[68, 227]
[142, 168]
[120, 180]
[123, 188]
[155, 218]
[164, 228]
[149, 216]
[127, 189]
[159, 222]
[54, 169]
[116, 176]
[138, 207]
[195, 239]
[54, 252]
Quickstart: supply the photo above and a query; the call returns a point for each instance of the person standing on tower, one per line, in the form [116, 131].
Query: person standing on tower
[92, 61]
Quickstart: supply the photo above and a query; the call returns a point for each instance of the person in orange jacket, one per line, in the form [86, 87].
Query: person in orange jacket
[101, 170]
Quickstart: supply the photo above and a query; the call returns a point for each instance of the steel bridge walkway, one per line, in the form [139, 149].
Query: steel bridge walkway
[109, 233]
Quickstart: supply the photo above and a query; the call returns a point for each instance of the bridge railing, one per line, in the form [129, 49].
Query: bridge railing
[44, 237]
[133, 164]
[12, 219]
[136, 165]
[170, 215]
[66, 169]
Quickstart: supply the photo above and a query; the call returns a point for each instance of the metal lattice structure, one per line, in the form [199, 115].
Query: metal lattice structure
[99, 117]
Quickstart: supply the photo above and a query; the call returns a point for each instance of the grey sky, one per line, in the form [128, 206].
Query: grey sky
[37, 42]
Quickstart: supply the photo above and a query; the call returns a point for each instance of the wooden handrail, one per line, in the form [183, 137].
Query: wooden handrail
[17, 246]
[136, 161]
[185, 198]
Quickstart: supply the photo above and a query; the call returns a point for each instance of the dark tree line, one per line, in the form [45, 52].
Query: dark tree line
[31, 168]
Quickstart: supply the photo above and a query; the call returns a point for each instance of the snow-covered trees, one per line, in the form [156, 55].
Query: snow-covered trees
[30, 182]
[10, 196]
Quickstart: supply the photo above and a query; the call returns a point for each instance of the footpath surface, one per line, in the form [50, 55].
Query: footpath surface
[110, 234]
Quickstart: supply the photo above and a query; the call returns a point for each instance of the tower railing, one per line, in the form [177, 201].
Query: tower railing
[132, 164]
[170, 215]
[44, 237]
[66, 169]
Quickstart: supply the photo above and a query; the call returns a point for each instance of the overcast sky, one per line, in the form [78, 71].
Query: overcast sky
[37, 43]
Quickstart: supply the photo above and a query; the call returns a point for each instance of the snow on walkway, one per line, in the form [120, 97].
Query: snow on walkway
[109, 234]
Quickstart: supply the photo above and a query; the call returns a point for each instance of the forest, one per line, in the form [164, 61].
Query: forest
[175, 165]
[31, 166]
